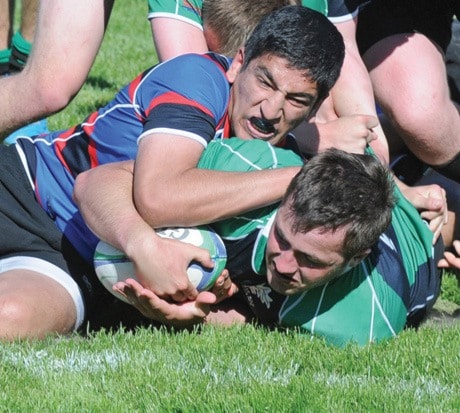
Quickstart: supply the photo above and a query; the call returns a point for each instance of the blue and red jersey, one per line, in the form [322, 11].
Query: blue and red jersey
[186, 96]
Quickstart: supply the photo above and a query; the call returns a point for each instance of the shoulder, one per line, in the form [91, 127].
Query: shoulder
[189, 75]
[356, 307]
[192, 64]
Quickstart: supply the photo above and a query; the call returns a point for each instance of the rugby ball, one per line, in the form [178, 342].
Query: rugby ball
[112, 265]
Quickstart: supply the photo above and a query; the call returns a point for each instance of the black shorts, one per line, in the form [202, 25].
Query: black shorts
[382, 18]
[27, 231]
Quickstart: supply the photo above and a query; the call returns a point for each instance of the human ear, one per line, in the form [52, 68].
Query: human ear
[358, 258]
[236, 65]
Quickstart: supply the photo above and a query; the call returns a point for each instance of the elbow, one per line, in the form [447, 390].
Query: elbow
[154, 208]
[54, 98]
[79, 188]
[50, 91]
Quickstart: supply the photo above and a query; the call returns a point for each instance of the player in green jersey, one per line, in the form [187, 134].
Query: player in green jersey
[340, 272]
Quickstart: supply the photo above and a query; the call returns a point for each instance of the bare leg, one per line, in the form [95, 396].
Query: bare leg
[29, 19]
[6, 31]
[33, 305]
[410, 82]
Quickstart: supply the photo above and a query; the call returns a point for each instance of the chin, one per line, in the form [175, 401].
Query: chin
[280, 287]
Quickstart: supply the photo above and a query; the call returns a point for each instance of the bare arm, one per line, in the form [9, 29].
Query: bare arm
[104, 195]
[353, 94]
[170, 190]
[174, 37]
[66, 42]
[179, 194]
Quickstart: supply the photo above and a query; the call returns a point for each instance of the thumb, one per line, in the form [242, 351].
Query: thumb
[202, 256]
[203, 302]
[205, 298]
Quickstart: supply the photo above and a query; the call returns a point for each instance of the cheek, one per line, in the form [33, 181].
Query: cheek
[272, 246]
[313, 277]
[296, 117]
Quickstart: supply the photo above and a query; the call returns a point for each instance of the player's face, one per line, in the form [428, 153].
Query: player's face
[298, 262]
[268, 98]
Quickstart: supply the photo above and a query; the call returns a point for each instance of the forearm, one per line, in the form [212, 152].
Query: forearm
[203, 196]
[66, 43]
[104, 196]
[353, 93]
[174, 37]
[169, 189]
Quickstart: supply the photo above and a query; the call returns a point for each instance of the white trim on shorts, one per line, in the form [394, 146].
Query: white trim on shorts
[52, 271]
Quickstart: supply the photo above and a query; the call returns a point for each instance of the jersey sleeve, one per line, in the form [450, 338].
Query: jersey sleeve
[343, 10]
[318, 5]
[188, 11]
[186, 96]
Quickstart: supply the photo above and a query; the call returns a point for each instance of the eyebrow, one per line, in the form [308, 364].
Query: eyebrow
[311, 258]
[269, 76]
[317, 261]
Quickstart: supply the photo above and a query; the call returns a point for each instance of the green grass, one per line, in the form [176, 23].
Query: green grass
[239, 369]
[126, 51]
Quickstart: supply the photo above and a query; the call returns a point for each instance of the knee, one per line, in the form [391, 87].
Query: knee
[22, 318]
[15, 318]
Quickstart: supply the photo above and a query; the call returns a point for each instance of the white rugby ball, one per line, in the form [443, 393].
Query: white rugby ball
[112, 265]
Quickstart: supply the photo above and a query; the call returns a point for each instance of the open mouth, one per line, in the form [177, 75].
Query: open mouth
[262, 125]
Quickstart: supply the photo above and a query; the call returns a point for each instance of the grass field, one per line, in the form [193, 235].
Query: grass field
[239, 369]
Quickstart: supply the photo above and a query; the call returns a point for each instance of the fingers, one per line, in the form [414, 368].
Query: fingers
[224, 287]
[449, 261]
[169, 313]
[456, 245]
[187, 294]
[370, 121]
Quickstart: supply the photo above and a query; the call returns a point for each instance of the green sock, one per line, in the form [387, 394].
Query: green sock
[5, 55]
[21, 44]
[4, 61]
[20, 50]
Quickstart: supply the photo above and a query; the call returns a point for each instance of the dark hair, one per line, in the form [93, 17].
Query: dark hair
[336, 189]
[305, 38]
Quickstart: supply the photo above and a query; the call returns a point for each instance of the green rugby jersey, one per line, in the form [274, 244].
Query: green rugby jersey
[369, 303]
[190, 11]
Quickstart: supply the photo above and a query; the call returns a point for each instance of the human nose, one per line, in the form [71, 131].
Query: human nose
[272, 106]
[285, 262]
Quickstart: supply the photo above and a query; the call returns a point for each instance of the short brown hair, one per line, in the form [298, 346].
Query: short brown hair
[232, 21]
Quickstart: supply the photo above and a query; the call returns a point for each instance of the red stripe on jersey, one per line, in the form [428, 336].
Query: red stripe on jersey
[132, 90]
[212, 57]
[176, 98]
[88, 126]
[90, 123]
[60, 146]
[133, 86]
[227, 127]
[92, 152]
